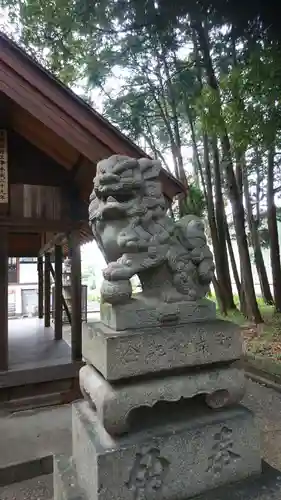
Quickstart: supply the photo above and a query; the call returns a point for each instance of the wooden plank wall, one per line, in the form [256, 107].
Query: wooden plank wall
[38, 202]
[23, 244]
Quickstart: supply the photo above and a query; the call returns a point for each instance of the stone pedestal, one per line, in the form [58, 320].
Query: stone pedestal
[161, 417]
[176, 460]
[113, 403]
[264, 486]
[141, 312]
[131, 353]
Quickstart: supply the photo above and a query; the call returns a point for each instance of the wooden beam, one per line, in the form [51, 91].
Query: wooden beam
[47, 291]
[61, 238]
[4, 183]
[60, 111]
[65, 306]
[47, 113]
[44, 139]
[58, 292]
[24, 159]
[77, 166]
[20, 71]
[56, 240]
[5, 115]
[4, 355]
[76, 305]
[40, 287]
[29, 225]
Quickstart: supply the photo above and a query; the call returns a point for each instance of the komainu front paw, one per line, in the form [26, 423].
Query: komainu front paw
[117, 271]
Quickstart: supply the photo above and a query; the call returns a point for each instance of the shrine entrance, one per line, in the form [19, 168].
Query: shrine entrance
[50, 143]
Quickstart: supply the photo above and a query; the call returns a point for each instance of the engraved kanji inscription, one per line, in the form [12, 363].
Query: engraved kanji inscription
[131, 354]
[201, 343]
[148, 473]
[223, 340]
[222, 451]
[156, 351]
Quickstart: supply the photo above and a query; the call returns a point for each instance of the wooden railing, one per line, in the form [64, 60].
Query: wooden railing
[64, 304]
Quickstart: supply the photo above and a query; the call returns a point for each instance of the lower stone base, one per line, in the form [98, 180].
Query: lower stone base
[180, 458]
[266, 486]
[114, 403]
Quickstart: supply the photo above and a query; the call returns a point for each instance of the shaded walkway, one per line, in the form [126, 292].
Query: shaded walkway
[31, 345]
[35, 356]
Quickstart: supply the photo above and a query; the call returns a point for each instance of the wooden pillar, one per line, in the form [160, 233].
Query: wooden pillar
[4, 354]
[76, 312]
[47, 291]
[58, 292]
[40, 287]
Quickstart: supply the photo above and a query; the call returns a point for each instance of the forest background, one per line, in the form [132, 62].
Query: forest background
[197, 86]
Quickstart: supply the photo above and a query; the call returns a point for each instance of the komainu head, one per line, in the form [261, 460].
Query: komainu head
[127, 213]
[125, 186]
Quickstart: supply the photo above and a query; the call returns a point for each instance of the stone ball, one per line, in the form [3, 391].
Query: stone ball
[116, 292]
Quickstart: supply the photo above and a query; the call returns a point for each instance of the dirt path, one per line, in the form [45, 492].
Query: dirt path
[266, 404]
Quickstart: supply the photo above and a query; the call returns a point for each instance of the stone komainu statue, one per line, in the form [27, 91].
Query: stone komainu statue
[128, 217]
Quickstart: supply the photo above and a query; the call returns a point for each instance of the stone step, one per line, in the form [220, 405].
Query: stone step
[31, 489]
[39, 395]
[38, 401]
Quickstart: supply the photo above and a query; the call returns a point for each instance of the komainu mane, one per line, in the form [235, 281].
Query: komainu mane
[127, 213]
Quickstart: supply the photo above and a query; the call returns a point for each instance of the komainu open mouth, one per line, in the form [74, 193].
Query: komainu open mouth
[114, 205]
[117, 197]
[110, 197]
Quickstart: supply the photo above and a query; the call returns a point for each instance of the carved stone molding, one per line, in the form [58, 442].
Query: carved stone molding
[220, 386]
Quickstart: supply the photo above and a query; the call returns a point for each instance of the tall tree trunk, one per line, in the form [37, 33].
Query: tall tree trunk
[219, 288]
[219, 296]
[238, 168]
[258, 186]
[239, 223]
[174, 115]
[206, 179]
[259, 262]
[273, 231]
[219, 212]
[239, 177]
[232, 259]
[234, 195]
[162, 107]
[208, 193]
[239, 180]
[195, 167]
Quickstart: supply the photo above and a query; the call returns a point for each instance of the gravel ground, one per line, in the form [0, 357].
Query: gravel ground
[29, 434]
[33, 489]
[34, 433]
[266, 405]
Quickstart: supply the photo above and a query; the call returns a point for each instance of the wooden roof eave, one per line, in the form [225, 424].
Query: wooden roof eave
[60, 109]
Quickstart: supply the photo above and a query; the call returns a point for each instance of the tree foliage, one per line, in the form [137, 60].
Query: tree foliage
[201, 76]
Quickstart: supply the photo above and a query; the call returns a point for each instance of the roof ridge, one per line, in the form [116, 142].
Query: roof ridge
[63, 87]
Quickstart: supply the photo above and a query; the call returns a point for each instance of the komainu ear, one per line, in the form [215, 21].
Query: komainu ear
[150, 168]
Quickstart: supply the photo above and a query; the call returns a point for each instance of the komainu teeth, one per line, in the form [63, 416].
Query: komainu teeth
[111, 199]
